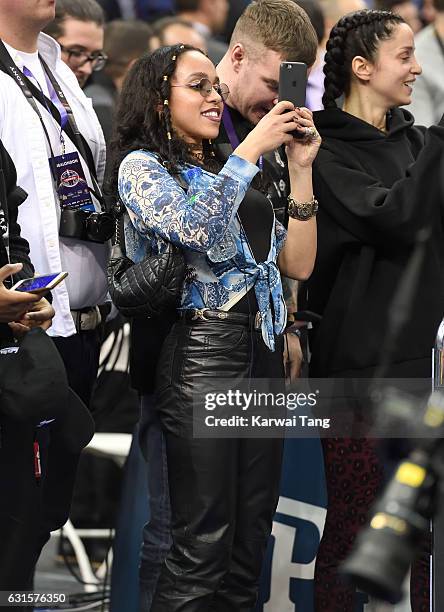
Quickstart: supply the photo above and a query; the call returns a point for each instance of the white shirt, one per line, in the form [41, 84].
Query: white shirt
[24, 138]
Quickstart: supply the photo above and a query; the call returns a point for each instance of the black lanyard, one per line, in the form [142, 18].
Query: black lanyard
[32, 93]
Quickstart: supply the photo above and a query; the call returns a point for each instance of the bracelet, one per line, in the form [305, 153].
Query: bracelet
[295, 331]
[302, 211]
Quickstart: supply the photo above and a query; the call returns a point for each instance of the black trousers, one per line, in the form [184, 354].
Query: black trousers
[80, 354]
[20, 509]
[224, 492]
[31, 509]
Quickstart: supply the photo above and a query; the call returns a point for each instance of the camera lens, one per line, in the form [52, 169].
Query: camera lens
[379, 564]
[100, 226]
[384, 551]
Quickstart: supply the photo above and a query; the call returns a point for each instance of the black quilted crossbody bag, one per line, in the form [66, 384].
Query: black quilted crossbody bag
[147, 288]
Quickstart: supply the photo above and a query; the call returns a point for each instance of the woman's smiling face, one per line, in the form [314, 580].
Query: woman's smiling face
[193, 116]
[395, 68]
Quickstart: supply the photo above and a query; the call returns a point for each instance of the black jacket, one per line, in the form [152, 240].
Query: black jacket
[375, 192]
[11, 197]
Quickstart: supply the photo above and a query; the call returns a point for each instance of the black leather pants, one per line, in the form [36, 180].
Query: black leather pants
[224, 492]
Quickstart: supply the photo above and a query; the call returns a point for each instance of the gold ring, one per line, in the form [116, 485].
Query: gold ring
[311, 132]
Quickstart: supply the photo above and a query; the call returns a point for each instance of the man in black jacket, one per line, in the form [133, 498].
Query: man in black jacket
[267, 33]
[19, 491]
[27, 308]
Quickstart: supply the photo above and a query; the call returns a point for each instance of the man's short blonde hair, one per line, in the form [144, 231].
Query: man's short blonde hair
[279, 25]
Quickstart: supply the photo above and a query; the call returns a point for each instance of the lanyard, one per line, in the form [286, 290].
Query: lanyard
[52, 94]
[28, 74]
[65, 117]
[232, 136]
[66, 114]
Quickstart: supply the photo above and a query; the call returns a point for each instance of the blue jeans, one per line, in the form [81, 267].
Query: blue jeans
[157, 532]
[133, 514]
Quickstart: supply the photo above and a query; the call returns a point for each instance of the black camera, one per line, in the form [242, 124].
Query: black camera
[86, 225]
[400, 521]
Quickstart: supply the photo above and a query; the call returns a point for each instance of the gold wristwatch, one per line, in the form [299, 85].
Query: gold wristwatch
[302, 211]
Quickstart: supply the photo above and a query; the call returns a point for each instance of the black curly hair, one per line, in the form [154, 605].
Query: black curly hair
[140, 125]
[357, 33]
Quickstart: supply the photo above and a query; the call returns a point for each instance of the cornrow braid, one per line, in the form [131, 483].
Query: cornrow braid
[355, 34]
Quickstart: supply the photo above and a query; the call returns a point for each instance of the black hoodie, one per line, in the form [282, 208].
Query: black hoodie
[375, 191]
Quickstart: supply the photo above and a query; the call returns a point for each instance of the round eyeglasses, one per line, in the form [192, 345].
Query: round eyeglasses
[77, 58]
[204, 87]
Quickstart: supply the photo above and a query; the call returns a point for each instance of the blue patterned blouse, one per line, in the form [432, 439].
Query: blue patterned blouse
[203, 221]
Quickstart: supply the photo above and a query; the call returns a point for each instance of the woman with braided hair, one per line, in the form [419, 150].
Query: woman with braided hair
[378, 181]
[232, 315]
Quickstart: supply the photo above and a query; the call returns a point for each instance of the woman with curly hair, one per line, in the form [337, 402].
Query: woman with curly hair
[231, 317]
[378, 183]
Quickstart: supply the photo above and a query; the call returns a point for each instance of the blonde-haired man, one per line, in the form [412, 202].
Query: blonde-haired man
[267, 33]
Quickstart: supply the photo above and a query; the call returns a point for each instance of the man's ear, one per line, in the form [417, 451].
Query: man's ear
[362, 68]
[237, 56]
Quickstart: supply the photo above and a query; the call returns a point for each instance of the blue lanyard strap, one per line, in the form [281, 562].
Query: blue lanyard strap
[52, 94]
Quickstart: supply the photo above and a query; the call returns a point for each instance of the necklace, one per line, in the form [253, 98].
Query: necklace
[199, 155]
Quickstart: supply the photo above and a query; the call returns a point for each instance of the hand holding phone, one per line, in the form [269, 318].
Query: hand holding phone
[273, 130]
[13, 305]
[40, 284]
